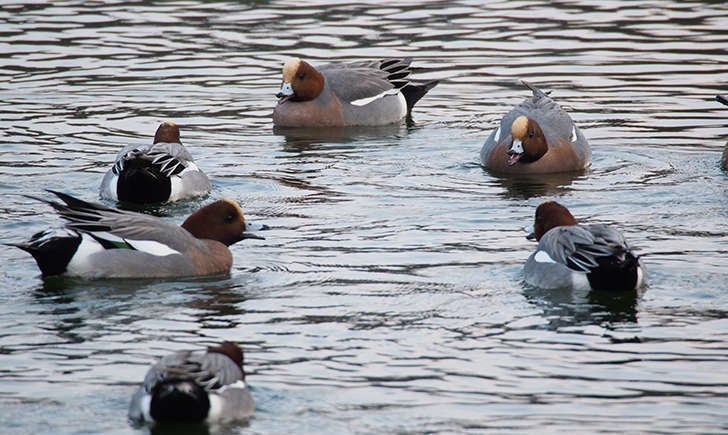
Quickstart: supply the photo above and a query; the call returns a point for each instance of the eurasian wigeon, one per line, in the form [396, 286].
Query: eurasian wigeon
[579, 256]
[537, 136]
[101, 242]
[161, 172]
[364, 93]
[194, 387]
[724, 158]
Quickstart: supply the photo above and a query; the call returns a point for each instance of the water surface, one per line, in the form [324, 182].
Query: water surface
[388, 295]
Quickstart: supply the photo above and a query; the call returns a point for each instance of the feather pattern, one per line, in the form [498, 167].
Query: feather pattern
[579, 246]
[209, 385]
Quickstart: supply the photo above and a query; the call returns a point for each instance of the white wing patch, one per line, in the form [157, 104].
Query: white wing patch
[365, 101]
[497, 134]
[152, 247]
[543, 257]
[573, 133]
[148, 246]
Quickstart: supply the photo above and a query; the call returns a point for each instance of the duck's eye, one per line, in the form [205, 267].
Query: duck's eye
[301, 76]
[531, 134]
[229, 218]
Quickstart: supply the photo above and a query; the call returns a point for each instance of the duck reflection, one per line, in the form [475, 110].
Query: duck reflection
[525, 186]
[310, 138]
[569, 307]
[71, 305]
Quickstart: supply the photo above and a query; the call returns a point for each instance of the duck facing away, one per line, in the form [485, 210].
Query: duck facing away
[536, 137]
[364, 93]
[579, 256]
[161, 172]
[194, 387]
[101, 242]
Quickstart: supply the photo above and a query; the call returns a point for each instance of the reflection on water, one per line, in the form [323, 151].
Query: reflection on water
[528, 186]
[388, 294]
[304, 137]
[567, 307]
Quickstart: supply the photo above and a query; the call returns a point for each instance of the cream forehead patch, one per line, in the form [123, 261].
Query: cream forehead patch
[519, 127]
[290, 68]
[235, 205]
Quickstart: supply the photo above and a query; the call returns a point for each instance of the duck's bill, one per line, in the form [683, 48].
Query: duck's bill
[251, 236]
[531, 233]
[285, 93]
[252, 228]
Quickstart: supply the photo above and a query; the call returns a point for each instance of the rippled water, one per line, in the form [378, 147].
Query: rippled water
[388, 295]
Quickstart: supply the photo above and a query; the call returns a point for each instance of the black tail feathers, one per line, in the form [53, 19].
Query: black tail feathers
[412, 93]
[179, 401]
[51, 252]
[615, 272]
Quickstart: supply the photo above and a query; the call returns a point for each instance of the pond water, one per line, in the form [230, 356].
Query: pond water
[388, 294]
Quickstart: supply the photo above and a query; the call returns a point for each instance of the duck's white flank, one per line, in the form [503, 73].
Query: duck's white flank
[110, 190]
[640, 278]
[177, 188]
[146, 405]
[216, 401]
[579, 281]
[79, 261]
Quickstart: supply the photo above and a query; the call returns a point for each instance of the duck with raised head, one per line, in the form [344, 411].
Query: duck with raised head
[364, 93]
[536, 137]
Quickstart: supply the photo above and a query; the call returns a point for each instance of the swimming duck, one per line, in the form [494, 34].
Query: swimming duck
[101, 242]
[579, 256]
[365, 93]
[537, 136]
[195, 387]
[161, 172]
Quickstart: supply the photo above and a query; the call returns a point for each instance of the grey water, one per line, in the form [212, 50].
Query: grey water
[388, 294]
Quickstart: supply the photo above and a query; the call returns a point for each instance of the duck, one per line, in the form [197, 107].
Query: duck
[584, 257]
[102, 242]
[363, 93]
[536, 137]
[724, 159]
[161, 172]
[194, 387]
